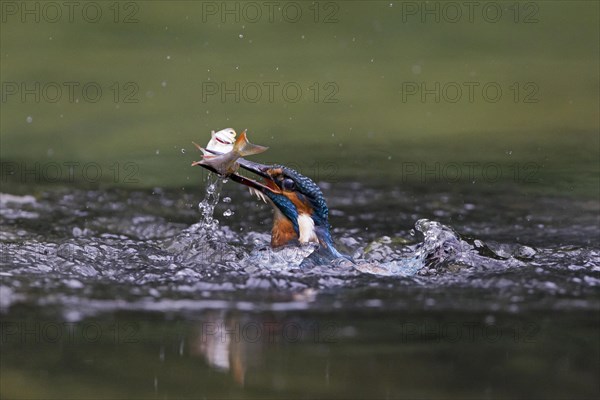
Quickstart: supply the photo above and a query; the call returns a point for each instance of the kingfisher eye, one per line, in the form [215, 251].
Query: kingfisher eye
[288, 184]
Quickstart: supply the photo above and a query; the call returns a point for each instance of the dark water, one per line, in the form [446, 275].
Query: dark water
[473, 221]
[115, 293]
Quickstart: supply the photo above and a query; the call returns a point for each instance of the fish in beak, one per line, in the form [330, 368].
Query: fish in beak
[222, 141]
[226, 163]
[300, 210]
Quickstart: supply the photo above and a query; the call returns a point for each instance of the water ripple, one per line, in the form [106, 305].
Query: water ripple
[97, 251]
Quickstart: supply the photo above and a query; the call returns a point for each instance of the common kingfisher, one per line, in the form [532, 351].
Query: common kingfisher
[300, 212]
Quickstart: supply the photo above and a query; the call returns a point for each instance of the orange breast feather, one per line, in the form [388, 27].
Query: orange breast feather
[283, 231]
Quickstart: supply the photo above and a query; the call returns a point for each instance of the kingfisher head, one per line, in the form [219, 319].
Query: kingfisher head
[300, 211]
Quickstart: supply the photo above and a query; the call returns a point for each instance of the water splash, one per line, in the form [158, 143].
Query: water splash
[442, 250]
[203, 242]
[214, 185]
[441, 244]
[154, 247]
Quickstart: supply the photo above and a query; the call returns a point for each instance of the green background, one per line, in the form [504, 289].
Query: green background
[168, 52]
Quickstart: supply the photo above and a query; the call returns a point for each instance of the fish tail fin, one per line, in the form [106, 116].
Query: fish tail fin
[244, 148]
[202, 149]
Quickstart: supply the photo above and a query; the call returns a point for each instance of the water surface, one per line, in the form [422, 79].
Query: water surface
[473, 223]
[133, 284]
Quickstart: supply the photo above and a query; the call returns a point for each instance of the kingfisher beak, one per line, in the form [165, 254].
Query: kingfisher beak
[257, 169]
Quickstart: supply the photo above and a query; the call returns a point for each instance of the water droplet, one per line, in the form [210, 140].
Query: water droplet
[226, 199]
[469, 206]
[29, 119]
[228, 213]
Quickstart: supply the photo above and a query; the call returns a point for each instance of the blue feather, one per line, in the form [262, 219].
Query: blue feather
[308, 191]
[286, 206]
